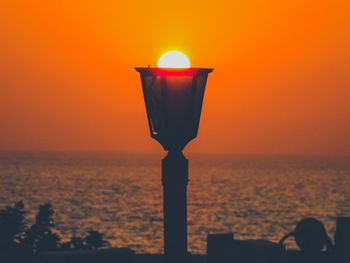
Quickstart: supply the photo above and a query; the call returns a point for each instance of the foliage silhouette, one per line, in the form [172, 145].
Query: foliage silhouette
[39, 237]
[15, 236]
[76, 243]
[93, 240]
[12, 227]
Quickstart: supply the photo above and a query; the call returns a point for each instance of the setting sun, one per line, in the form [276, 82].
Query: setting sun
[173, 59]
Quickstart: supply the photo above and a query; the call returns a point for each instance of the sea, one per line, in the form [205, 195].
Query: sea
[120, 194]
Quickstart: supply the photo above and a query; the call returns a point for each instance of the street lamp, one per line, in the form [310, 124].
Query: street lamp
[173, 98]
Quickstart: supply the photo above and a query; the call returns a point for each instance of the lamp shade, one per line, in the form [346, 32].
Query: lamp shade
[173, 99]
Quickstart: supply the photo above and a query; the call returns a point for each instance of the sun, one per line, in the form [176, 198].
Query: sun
[173, 59]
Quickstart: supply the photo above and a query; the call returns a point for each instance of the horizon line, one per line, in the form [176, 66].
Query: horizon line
[165, 152]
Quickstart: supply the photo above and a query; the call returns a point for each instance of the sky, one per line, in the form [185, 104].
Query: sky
[281, 83]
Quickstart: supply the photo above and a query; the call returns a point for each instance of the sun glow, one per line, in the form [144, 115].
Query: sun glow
[173, 59]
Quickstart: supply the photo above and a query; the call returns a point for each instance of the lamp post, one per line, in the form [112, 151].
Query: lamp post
[173, 98]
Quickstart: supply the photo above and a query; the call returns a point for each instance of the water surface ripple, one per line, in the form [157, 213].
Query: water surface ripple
[121, 194]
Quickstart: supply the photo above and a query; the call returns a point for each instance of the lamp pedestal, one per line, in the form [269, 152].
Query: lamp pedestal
[174, 180]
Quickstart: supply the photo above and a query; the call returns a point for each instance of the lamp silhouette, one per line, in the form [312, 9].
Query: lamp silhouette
[173, 99]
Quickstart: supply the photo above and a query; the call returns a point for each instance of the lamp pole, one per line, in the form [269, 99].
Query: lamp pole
[173, 99]
[174, 180]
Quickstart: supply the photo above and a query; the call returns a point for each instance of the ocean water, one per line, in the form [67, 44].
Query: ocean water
[121, 194]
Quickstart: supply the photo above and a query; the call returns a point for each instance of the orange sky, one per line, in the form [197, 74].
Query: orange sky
[281, 82]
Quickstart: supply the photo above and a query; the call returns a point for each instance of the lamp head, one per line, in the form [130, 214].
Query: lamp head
[173, 99]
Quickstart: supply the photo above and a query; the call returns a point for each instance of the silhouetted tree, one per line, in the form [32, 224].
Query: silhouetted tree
[76, 243]
[95, 240]
[12, 226]
[15, 236]
[39, 237]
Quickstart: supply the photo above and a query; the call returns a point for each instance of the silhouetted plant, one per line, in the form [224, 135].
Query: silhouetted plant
[12, 226]
[39, 237]
[95, 240]
[76, 243]
[15, 236]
